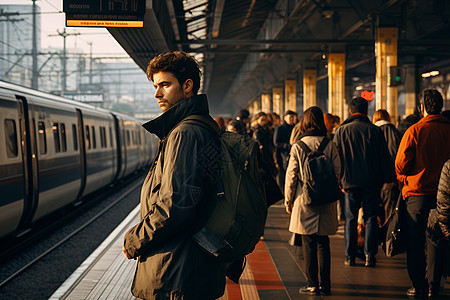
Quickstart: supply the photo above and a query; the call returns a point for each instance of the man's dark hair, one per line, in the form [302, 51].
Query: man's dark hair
[358, 105]
[432, 101]
[290, 112]
[312, 119]
[181, 65]
[243, 114]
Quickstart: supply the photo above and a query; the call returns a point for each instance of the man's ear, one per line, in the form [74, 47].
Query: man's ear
[188, 85]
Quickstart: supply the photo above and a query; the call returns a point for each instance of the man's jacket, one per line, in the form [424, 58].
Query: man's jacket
[443, 200]
[174, 197]
[281, 140]
[423, 150]
[365, 160]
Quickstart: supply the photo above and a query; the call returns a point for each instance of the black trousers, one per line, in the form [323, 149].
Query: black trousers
[316, 253]
[418, 208]
[435, 264]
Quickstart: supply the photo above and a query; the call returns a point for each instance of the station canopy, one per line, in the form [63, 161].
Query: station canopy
[245, 47]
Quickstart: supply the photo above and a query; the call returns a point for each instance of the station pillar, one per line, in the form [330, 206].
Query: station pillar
[410, 89]
[336, 83]
[278, 100]
[266, 103]
[386, 57]
[290, 91]
[309, 88]
[256, 105]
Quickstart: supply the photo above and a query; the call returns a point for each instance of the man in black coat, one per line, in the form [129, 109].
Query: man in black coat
[366, 168]
[281, 141]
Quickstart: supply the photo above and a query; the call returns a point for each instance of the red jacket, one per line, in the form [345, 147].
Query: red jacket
[424, 149]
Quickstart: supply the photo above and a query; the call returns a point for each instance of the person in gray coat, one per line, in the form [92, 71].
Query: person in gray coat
[315, 224]
[177, 192]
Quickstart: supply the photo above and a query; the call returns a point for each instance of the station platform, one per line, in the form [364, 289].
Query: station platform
[274, 271]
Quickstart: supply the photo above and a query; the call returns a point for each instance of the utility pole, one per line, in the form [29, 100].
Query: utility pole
[64, 34]
[34, 72]
[90, 63]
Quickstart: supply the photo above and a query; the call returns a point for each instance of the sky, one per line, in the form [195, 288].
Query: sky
[103, 44]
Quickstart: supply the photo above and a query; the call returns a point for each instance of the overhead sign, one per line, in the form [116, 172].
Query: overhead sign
[367, 95]
[104, 13]
[86, 97]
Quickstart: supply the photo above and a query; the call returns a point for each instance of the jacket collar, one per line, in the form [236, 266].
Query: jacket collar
[161, 126]
[433, 118]
[358, 117]
[315, 132]
[380, 123]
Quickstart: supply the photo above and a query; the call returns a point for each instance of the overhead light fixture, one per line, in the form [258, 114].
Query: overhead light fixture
[324, 56]
[426, 75]
[434, 73]
[359, 88]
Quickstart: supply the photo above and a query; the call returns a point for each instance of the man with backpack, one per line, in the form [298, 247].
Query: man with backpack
[202, 189]
[366, 169]
[176, 192]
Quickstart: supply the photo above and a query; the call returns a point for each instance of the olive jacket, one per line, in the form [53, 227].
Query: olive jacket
[174, 198]
[443, 200]
[321, 220]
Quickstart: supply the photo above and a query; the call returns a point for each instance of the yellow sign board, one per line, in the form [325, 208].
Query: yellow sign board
[102, 23]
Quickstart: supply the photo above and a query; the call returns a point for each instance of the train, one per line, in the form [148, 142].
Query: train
[54, 151]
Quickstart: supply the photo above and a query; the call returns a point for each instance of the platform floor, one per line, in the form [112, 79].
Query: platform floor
[274, 270]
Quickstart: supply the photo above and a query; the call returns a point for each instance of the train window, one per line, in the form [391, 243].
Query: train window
[139, 136]
[110, 137]
[88, 138]
[42, 138]
[75, 139]
[128, 138]
[11, 138]
[104, 137]
[133, 137]
[63, 138]
[56, 137]
[94, 144]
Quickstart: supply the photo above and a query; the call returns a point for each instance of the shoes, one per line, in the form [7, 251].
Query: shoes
[417, 294]
[349, 261]
[325, 291]
[310, 290]
[432, 295]
[370, 261]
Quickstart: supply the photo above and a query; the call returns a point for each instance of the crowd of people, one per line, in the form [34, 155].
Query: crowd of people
[366, 165]
[375, 163]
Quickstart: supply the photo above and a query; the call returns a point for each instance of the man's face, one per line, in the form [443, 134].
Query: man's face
[290, 119]
[169, 91]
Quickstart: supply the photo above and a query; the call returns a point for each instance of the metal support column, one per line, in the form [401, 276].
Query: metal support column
[386, 57]
[410, 89]
[309, 88]
[266, 103]
[256, 105]
[290, 89]
[336, 83]
[278, 100]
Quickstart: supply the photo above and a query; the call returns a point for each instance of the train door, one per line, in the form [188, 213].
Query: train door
[30, 165]
[12, 180]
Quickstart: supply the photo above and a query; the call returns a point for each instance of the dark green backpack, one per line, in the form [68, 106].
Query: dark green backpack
[239, 214]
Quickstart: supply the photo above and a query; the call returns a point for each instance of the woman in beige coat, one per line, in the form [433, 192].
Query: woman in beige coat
[315, 224]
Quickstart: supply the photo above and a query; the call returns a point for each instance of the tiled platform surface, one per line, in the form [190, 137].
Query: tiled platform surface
[274, 271]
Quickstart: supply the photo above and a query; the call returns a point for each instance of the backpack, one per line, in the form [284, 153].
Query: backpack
[320, 185]
[239, 213]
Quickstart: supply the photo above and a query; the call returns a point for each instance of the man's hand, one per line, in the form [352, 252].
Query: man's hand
[289, 209]
[125, 252]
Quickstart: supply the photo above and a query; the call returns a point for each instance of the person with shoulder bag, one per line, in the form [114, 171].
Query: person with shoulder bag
[313, 215]
[438, 234]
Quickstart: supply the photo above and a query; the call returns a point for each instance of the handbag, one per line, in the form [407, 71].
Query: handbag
[395, 235]
[295, 240]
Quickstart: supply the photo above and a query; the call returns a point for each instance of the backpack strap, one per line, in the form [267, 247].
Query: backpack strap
[202, 122]
[304, 147]
[323, 144]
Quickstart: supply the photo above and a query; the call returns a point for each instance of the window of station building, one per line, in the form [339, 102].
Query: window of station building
[12, 149]
[88, 138]
[75, 138]
[94, 144]
[63, 138]
[55, 128]
[42, 138]
[128, 138]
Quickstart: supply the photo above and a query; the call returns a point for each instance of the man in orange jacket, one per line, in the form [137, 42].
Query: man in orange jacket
[423, 150]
